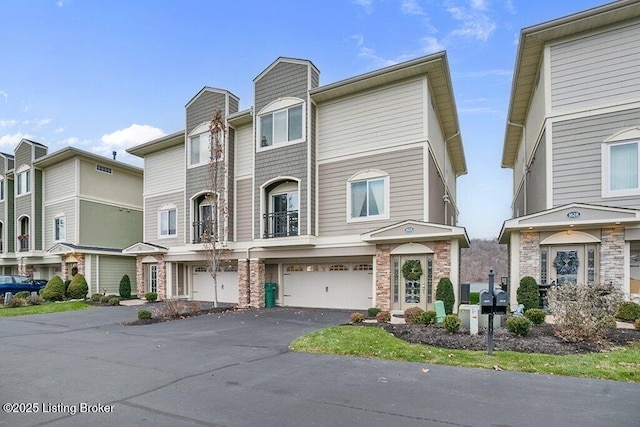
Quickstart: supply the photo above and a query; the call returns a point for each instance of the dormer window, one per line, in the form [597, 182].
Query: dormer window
[199, 148]
[24, 180]
[281, 122]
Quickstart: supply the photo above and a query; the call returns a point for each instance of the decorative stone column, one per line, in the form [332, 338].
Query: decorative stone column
[244, 283]
[529, 256]
[441, 261]
[612, 249]
[139, 276]
[256, 278]
[383, 277]
[162, 277]
[80, 263]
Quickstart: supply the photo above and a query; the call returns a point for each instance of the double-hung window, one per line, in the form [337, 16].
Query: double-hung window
[621, 177]
[168, 222]
[199, 146]
[24, 182]
[280, 126]
[368, 197]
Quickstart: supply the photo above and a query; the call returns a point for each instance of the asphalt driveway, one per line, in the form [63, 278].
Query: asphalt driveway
[85, 368]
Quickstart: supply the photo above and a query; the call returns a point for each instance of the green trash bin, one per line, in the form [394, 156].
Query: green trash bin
[270, 291]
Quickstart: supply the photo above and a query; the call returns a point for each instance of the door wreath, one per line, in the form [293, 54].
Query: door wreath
[412, 269]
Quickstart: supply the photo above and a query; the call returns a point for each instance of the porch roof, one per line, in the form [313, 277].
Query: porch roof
[416, 231]
[142, 248]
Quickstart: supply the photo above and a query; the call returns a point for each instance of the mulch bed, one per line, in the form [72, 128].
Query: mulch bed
[160, 313]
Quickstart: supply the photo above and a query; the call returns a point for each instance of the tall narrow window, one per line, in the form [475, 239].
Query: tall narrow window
[24, 182]
[396, 279]
[153, 278]
[59, 229]
[624, 166]
[1, 189]
[429, 280]
[544, 260]
[168, 222]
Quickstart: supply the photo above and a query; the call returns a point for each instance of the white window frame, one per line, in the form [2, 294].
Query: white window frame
[368, 176]
[280, 106]
[23, 181]
[1, 189]
[165, 211]
[202, 132]
[59, 232]
[607, 192]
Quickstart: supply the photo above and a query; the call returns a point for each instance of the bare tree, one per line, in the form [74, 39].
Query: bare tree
[215, 226]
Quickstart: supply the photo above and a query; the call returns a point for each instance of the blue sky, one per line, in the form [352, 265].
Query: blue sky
[108, 75]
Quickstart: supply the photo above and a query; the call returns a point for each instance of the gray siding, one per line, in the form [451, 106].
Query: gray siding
[595, 70]
[202, 108]
[312, 189]
[243, 210]
[112, 268]
[23, 154]
[67, 208]
[537, 179]
[436, 192]
[37, 201]
[230, 159]
[108, 226]
[152, 206]
[284, 79]
[406, 172]
[60, 180]
[11, 218]
[577, 162]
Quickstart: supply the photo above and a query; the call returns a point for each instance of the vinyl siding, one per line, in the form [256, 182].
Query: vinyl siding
[164, 171]
[577, 162]
[231, 183]
[536, 114]
[406, 171]
[120, 187]
[23, 155]
[202, 108]
[598, 69]
[284, 79]
[50, 212]
[537, 179]
[436, 142]
[10, 226]
[379, 118]
[36, 190]
[152, 207]
[109, 226]
[60, 181]
[243, 210]
[436, 192]
[244, 150]
[111, 270]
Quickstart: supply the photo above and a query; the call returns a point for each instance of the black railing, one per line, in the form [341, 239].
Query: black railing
[24, 244]
[202, 231]
[280, 224]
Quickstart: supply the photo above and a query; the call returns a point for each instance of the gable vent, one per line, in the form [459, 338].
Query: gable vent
[104, 169]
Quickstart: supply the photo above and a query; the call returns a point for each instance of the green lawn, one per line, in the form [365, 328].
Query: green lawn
[53, 307]
[622, 364]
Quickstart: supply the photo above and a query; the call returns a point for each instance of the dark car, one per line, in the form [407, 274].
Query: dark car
[15, 284]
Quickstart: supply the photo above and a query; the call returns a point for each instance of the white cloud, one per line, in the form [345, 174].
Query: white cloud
[10, 141]
[43, 122]
[7, 123]
[475, 23]
[359, 39]
[479, 4]
[431, 45]
[125, 138]
[59, 130]
[367, 5]
[5, 95]
[411, 7]
[72, 141]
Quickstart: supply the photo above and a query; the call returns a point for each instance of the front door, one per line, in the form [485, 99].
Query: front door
[284, 214]
[413, 274]
[567, 265]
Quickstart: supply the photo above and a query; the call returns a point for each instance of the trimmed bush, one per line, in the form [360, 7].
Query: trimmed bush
[34, 300]
[527, 293]
[429, 317]
[519, 325]
[357, 317]
[151, 296]
[536, 315]
[54, 290]
[444, 293]
[474, 298]
[114, 301]
[373, 311]
[25, 294]
[15, 302]
[637, 324]
[96, 297]
[104, 299]
[628, 311]
[78, 287]
[451, 323]
[413, 315]
[125, 287]
[144, 315]
[383, 317]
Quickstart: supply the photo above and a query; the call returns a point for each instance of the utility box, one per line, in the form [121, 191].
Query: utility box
[501, 301]
[465, 292]
[486, 302]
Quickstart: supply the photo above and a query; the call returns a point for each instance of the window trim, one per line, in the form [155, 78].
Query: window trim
[2, 192]
[279, 106]
[21, 173]
[607, 192]
[366, 176]
[166, 209]
[200, 130]
[61, 236]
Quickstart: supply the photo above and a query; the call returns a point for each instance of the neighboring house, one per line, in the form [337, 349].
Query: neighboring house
[572, 140]
[330, 191]
[69, 209]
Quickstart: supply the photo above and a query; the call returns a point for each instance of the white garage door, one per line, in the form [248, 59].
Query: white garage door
[339, 285]
[203, 289]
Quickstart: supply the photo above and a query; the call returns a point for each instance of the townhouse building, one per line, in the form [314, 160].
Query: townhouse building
[572, 141]
[329, 191]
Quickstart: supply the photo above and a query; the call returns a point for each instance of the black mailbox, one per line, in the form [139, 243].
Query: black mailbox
[502, 301]
[486, 302]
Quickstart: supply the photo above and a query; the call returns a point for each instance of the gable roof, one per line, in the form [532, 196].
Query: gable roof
[436, 67]
[416, 231]
[529, 57]
[282, 59]
[166, 141]
[211, 89]
[71, 152]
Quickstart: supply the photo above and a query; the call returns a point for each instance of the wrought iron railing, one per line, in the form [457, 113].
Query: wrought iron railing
[280, 224]
[203, 231]
[24, 244]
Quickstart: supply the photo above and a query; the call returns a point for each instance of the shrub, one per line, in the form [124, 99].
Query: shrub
[357, 317]
[474, 297]
[125, 287]
[628, 311]
[536, 315]
[444, 293]
[78, 287]
[25, 294]
[383, 317]
[451, 323]
[96, 297]
[637, 324]
[583, 312]
[66, 286]
[54, 290]
[144, 314]
[527, 293]
[151, 296]
[429, 317]
[413, 315]
[519, 325]
[15, 302]
[33, 300]
[104, 299]
[114, 301]
[373, 311]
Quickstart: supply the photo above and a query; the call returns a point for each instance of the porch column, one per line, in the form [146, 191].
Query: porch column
[529, 257]
[612, 250]
[383, 277]
[162, 277]
[244, 283]
[139, 276]
[256, 277]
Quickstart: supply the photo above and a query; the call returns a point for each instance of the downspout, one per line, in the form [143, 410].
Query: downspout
[445, 198]
[525, 164]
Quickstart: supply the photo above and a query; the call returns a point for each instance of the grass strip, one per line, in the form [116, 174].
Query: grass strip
[53, 307]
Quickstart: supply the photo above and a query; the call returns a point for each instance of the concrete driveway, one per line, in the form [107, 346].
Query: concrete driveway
[84, 368]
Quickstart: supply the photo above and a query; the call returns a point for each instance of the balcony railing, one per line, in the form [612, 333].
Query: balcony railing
[280, 224]
[24, 244]
[202, 231]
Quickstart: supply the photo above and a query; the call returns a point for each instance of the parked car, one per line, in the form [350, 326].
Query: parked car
[15, 284]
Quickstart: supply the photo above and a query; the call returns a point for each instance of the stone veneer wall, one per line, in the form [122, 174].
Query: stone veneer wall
[162, 276]
[441, 262]
[612, 249]
[383, 277]
[256, 278]
[244, 284]
[529, 255]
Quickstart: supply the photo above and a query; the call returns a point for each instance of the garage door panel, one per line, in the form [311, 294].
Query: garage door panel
[203, 289]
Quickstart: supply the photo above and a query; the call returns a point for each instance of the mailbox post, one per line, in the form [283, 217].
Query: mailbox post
[493, 301]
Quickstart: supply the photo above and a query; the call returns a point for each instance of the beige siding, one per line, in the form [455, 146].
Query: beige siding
[436, 142]
[164, 171]
[111, 270]
[152, 207]
[244, 150]
[68, 208]
[535, 115]
[120, 187]
[594, 70]
[406, 172]
[375, 119]
[243, 210]
[60, 181]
